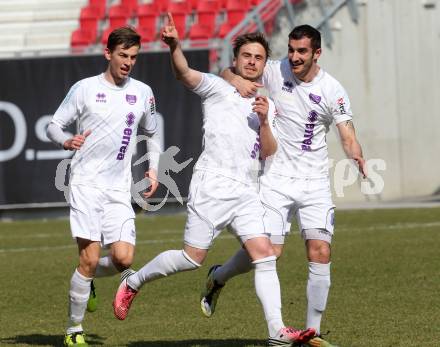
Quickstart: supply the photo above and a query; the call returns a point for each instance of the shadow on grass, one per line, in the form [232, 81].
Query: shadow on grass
[46, 340]
[201, 343]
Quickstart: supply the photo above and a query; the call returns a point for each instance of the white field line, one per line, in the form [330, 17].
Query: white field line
[73, 245]
[386, 227]
[63, 234]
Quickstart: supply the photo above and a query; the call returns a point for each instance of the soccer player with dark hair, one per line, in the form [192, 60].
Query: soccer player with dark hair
[223, 191]
[108, 109]
[296, 180]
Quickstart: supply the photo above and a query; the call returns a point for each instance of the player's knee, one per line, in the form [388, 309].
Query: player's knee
[259, 247]
[278, 250]
[88, 264]
[318, 251]
[197, 255]
[123, 262]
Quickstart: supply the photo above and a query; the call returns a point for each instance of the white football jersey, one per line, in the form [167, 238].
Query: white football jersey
[113, 114]
[305, 113]
[231, 141]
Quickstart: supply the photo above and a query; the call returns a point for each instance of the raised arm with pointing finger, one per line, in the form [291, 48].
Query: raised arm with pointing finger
[190, 78]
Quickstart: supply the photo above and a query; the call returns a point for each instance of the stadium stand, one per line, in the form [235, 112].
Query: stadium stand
[80, 26]
[29, 25]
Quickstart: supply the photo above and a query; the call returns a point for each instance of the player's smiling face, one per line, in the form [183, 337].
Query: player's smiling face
[303, 60]
[121, 61]
[250, 61]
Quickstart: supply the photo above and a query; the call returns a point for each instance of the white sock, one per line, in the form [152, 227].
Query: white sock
[105, 267]
[239, 263]
[78, 296]
[318, 286]
[165, 264]
[268, 291]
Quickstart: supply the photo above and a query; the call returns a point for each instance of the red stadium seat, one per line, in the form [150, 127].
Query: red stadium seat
[82, 38]
[236, 11]
[225, 28]
[148, 15]
[193, 3]
[200, 32]
[98, 3]
[207, 12]
[179, 10]
[161, 5]
[131, 5]
[223, 4]
[89, 17]
[118, 16]
[147, 34]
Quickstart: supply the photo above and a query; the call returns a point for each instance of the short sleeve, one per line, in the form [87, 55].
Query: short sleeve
[268, 73]
[70, 108]
[208, 86]
[340, 108]
[149, 121]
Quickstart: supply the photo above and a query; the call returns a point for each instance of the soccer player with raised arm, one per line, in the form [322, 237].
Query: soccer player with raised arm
[223, 191]
[108, 109]
[296, 180]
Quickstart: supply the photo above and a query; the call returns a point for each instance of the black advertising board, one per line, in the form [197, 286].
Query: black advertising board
[31, 91]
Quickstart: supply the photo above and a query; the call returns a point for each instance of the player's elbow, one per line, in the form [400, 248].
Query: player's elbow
[268, 151]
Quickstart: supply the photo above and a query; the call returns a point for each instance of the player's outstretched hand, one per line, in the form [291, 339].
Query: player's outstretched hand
[76, 142]
[154, 183]
[361, 164]
[169, 32]
[261, 107]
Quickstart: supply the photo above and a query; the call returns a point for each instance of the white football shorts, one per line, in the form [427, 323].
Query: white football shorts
[101, 215]
[308, 199]
[216, 202]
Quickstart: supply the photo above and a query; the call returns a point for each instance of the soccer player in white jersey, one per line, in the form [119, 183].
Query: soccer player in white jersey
[108, 108]
[223, 191]
[296, 181]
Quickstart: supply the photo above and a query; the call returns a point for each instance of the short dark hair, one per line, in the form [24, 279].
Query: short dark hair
[126, 36]
[251, 38]
[307, 31]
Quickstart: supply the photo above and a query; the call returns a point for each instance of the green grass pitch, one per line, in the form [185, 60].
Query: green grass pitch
[385, 286]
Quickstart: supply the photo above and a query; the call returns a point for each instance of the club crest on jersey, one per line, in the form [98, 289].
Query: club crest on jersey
[131, 99]
[316, 99]
[130, 119]
[287, 86]
[100, 97]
